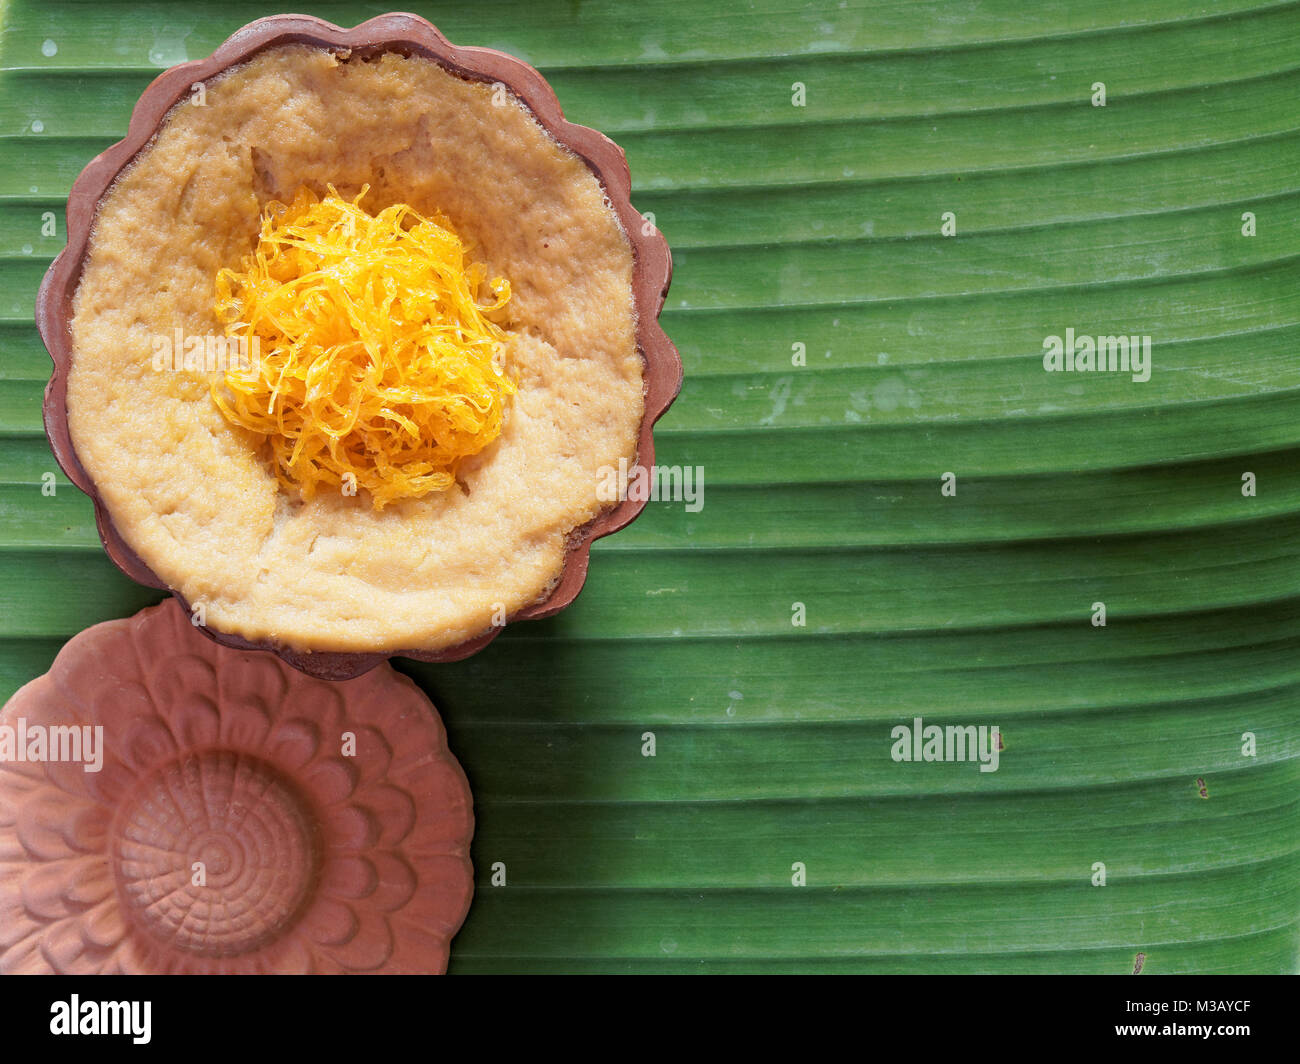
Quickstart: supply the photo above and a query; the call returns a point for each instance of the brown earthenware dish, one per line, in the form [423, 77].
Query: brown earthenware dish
[178, 807]
[406, 34]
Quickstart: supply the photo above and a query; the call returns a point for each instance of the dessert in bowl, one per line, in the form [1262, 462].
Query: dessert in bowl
[348, 331]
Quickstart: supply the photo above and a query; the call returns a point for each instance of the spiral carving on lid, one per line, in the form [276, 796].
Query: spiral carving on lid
[214, 854]
[244, 817]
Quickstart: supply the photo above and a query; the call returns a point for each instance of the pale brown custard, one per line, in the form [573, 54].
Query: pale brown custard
[194, 496]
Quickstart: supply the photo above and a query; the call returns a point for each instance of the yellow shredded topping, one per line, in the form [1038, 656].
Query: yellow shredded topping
[378, 368]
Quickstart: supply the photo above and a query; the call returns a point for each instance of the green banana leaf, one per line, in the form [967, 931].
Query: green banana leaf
[802, 159]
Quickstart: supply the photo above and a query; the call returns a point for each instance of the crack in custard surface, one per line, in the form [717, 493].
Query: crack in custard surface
[377, 366]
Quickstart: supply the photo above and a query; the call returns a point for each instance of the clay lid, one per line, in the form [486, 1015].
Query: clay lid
[411, 35]
[328, 822]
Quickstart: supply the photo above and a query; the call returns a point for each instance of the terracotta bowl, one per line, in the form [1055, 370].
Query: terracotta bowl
[179, 807]
[408, 34]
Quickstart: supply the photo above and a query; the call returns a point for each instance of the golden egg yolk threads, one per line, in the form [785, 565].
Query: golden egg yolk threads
[377, 366]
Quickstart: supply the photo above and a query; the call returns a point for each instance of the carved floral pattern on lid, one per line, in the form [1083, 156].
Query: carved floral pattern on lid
[245, 818]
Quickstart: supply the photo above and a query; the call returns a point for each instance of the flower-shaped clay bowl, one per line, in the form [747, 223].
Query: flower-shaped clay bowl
[169, 805]
[406, 35]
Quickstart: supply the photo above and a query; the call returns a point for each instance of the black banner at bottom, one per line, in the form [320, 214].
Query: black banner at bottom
[340, 1015]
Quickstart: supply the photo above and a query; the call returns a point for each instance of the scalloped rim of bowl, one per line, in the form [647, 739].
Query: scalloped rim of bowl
[407, 34]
